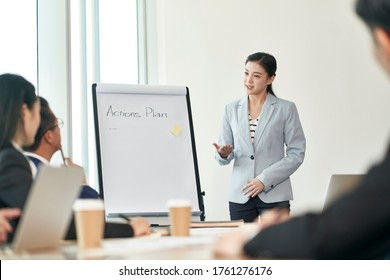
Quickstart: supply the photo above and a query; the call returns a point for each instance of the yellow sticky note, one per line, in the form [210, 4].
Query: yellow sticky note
[176, 130]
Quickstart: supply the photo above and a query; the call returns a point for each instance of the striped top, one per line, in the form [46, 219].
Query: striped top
[252, 127]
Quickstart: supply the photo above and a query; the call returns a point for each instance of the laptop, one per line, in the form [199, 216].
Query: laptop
[339, 185]
[48, 209]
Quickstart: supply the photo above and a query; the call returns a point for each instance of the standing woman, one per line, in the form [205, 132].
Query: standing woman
[19, 121]
[264, 136]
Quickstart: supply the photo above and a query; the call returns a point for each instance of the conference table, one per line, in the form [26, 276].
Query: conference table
[198, 246]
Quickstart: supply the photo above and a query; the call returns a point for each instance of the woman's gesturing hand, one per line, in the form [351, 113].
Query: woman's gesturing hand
[224, 150]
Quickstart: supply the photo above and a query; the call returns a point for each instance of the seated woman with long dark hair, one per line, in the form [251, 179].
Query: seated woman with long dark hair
[19, 121]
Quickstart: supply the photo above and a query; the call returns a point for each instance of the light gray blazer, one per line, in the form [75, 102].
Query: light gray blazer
[277, 151]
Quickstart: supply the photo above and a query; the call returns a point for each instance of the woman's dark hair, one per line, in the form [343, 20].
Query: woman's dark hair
[48, 122]
[14, 92]
[268, 62]
[374, 13]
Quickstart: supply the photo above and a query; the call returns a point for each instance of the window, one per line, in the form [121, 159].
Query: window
[118, 41]
[104, 49]
[18, 50]
[79, 42]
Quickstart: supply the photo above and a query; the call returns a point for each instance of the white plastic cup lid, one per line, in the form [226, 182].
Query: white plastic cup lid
[179, 203]
[88, 204]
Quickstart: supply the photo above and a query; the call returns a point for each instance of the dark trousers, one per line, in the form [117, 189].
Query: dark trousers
[254, 207]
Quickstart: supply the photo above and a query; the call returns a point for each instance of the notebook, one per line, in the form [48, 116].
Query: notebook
[339, 185]
[48, 209]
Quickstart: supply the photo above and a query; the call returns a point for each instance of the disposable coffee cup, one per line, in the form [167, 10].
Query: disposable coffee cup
[89, 216]
[180, 216]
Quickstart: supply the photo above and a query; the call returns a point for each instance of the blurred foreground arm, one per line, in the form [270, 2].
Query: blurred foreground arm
[7, 214]
[231, 246]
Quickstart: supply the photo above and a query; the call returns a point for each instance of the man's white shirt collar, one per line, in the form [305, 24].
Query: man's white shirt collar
[42, 159]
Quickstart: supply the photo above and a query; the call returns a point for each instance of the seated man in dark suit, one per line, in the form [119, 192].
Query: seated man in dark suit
[48, 141]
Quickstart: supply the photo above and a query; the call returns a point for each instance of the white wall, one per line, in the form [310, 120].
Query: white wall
[325, 66]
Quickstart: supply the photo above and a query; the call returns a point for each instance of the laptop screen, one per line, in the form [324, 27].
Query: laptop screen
[48, 209]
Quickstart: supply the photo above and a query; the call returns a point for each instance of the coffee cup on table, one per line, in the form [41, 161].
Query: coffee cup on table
[180, 216]
[89, 219]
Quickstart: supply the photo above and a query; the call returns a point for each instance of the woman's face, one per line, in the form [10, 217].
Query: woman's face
[256, 79]
[31, 121]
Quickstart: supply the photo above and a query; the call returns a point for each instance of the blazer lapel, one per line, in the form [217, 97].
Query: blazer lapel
[243, 121]
[265, 116]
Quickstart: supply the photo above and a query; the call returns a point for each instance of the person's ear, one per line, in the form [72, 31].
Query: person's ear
[24, 111]
[382, 38]
[48, 136]
[271, 79]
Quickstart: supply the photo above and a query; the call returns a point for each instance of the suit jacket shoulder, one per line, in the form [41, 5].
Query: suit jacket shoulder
[237, 103]
[15, 181]
[15, 178]
[272, 100]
